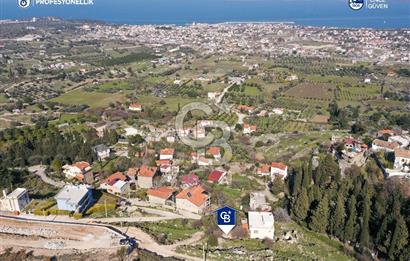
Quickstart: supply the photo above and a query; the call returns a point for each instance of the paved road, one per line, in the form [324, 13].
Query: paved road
[39, 170]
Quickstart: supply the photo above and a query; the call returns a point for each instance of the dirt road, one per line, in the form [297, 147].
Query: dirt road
[40, 171]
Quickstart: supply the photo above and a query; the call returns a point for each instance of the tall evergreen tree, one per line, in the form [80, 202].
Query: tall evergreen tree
[301, 206]
[399, 238]
[307, 176]
[364, 233]
[296, 181]
[349, 231]
[338, 216]
[320, 218]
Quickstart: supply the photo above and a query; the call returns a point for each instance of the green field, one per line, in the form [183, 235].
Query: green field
[171, 231]
[171, 103]
[92, 99]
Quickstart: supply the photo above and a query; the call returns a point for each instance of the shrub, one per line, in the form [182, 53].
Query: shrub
[41, 212]
[59, 212]
[100, 208]
[77, 215]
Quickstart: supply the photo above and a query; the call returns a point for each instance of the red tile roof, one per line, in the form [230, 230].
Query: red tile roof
[250, 127]
[245, 108]
[190, 179]
[265, 168]
[195, 195]
[215, 176]
[115, 177]
[402, 153]
[135, 106]
[386, 144]
[163, 192]
[163, 162]
[167, 151]
[82, 165]
[214, 151]
[145, 171]
[279, 165]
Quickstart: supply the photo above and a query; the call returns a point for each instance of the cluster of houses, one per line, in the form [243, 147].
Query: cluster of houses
[395, 142]
[274, 170]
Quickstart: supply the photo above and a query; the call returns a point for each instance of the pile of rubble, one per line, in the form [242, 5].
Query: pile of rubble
[54, 245]
[290, 236]
[27, 231]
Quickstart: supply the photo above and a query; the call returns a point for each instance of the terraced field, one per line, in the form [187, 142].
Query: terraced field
[322, 91]
[357, 93]
[229, 118]
[277, 124]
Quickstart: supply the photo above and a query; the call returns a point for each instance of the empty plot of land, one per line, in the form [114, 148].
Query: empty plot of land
[34, 234]
[320, 91]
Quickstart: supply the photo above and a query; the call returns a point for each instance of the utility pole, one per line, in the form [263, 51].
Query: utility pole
[105, 206]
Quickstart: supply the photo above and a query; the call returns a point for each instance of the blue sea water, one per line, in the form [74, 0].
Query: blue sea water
[305, 12]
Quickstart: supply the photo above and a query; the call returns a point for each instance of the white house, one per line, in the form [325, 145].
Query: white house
[381, 145]
[404, 141]
[402, 160]
[102, 151]
[278, 111]
[261, 225]
[15, 201]
[116, 184]
[248, 129]
[215, 152]
[76, 170]
[135, 107]
[167, 154]
[278, 169]
[131, 131]
[74, 198]
[263, 170]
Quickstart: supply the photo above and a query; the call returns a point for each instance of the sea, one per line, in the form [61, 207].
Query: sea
[329, 13]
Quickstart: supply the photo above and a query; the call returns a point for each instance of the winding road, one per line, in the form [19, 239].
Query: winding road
[40, 170]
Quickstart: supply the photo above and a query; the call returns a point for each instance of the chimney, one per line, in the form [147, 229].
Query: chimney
[4, 193]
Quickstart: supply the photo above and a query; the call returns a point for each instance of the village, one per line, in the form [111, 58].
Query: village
[134, 136]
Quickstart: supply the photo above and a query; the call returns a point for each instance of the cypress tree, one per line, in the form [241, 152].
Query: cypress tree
[399, 239]
[364, 233]
[348, 234]
[297, 181]
[301, 206]
[320, 219]
[307, 176]
[338, 216]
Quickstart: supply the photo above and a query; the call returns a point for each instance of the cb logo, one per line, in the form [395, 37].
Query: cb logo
[23, 3]
[356, 4]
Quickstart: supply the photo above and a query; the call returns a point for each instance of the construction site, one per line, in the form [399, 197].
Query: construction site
[54, 239]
